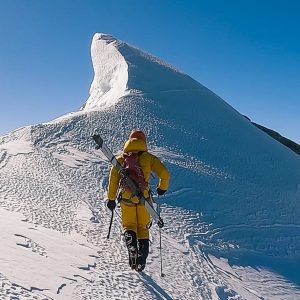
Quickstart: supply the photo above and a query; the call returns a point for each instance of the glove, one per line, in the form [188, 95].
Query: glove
[160, 192]
[111, 204]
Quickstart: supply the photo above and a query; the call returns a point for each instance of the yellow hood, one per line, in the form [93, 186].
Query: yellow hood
[135, 145]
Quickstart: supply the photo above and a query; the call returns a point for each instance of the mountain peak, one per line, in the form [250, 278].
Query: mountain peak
[121, 69]
[111, 72]
[107, 38]
[231, 212]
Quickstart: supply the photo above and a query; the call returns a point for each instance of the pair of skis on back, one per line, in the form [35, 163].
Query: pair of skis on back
[133, 186]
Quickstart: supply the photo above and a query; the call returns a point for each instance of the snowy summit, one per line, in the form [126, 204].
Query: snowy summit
[111, 72]
[121, 70]
[231, 213]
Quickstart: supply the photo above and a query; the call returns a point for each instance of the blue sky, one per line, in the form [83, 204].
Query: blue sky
[247, 52]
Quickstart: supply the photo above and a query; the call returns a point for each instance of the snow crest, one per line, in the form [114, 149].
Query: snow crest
[124, 70]
[111, 73]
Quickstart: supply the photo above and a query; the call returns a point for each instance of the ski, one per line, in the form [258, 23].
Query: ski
[113, 160]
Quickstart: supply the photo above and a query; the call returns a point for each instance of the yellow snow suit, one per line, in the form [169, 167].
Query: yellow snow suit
[135, 217]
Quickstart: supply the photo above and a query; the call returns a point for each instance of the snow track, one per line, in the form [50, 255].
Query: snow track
[43, 186]
[59, 183]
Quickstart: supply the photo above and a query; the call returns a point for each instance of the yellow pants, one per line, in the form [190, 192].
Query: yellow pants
[135, 217]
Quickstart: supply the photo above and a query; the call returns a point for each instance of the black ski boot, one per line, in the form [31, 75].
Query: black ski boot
[143, 251]
[131, 243]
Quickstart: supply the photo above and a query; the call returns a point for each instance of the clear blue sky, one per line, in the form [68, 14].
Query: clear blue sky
[247, 52]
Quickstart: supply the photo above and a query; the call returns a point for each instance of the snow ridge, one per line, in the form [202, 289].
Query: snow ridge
[111, 73]
[122, 70]
[231, 213]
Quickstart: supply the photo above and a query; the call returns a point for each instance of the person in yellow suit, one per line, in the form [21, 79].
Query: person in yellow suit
[139, 164]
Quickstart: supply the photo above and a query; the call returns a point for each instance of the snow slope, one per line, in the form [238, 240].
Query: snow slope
[231, 213]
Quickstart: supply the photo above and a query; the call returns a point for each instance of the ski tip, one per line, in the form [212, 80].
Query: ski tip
[98, 139]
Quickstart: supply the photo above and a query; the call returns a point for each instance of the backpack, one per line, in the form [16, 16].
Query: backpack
[134, 171]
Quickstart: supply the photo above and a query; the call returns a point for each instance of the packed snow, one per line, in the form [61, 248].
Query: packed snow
[231, 213]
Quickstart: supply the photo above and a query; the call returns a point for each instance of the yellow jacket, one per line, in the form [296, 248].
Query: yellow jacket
[147, 161]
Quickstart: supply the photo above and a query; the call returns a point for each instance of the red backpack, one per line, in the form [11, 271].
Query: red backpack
[134, 171]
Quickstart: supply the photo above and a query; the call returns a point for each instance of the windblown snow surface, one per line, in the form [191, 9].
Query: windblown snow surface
[231, 213]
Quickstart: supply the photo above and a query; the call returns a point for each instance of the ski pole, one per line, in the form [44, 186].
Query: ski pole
[111, 220]
[160, 243]
[161, 258]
